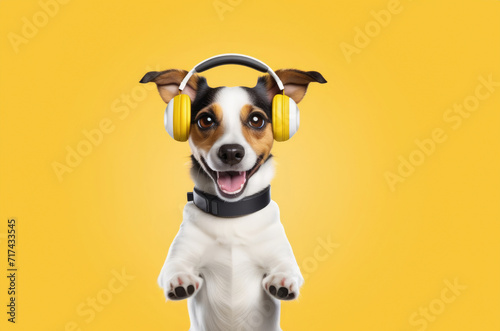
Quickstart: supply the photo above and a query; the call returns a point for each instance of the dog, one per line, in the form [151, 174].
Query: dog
[233, 270]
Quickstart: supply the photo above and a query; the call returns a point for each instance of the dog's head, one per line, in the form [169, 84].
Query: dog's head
[231, 133]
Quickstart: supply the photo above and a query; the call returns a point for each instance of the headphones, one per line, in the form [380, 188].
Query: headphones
[285, 113]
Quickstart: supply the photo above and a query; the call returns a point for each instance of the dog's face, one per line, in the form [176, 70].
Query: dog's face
[231, 137]
[231, 134]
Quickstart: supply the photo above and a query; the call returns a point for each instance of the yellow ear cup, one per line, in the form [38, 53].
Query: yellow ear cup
[181, 117]
[281, 119]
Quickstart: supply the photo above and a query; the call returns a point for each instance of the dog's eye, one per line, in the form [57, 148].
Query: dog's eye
[256, 121]
[205, 122]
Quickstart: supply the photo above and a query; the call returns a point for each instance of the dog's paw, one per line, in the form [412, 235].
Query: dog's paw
[282, 286]
[182, 286]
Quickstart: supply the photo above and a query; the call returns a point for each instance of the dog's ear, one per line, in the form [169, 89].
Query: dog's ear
[168, 82]
[295, 82]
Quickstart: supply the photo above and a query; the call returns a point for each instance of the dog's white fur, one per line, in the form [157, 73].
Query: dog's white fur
[232, 262]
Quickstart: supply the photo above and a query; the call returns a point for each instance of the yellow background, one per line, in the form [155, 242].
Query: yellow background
[121, 207]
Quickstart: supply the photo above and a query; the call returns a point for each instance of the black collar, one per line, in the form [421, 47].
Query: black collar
[213, 205]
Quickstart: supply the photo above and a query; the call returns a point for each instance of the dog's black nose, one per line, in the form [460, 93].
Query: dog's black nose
[231, 153]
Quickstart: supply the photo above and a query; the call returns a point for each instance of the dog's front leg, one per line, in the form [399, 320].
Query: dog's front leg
[283, 278]
[179, 278]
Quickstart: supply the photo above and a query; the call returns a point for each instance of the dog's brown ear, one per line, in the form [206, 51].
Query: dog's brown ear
[295, 82]
[168, 82]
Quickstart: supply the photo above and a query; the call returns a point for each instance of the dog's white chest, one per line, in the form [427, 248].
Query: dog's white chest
[232, 265]
[229, 260]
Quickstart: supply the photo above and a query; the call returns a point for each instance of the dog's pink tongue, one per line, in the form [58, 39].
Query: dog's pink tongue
[231, 182]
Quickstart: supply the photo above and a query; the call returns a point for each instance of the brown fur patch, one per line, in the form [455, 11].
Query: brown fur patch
[260, 140]
[168, 82]
[175, 76]
[205, 139]
[295, 82]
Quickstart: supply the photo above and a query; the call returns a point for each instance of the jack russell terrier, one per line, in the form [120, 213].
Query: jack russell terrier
[231, 258]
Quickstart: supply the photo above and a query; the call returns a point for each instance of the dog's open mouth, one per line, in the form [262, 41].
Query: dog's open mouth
[232, 183]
